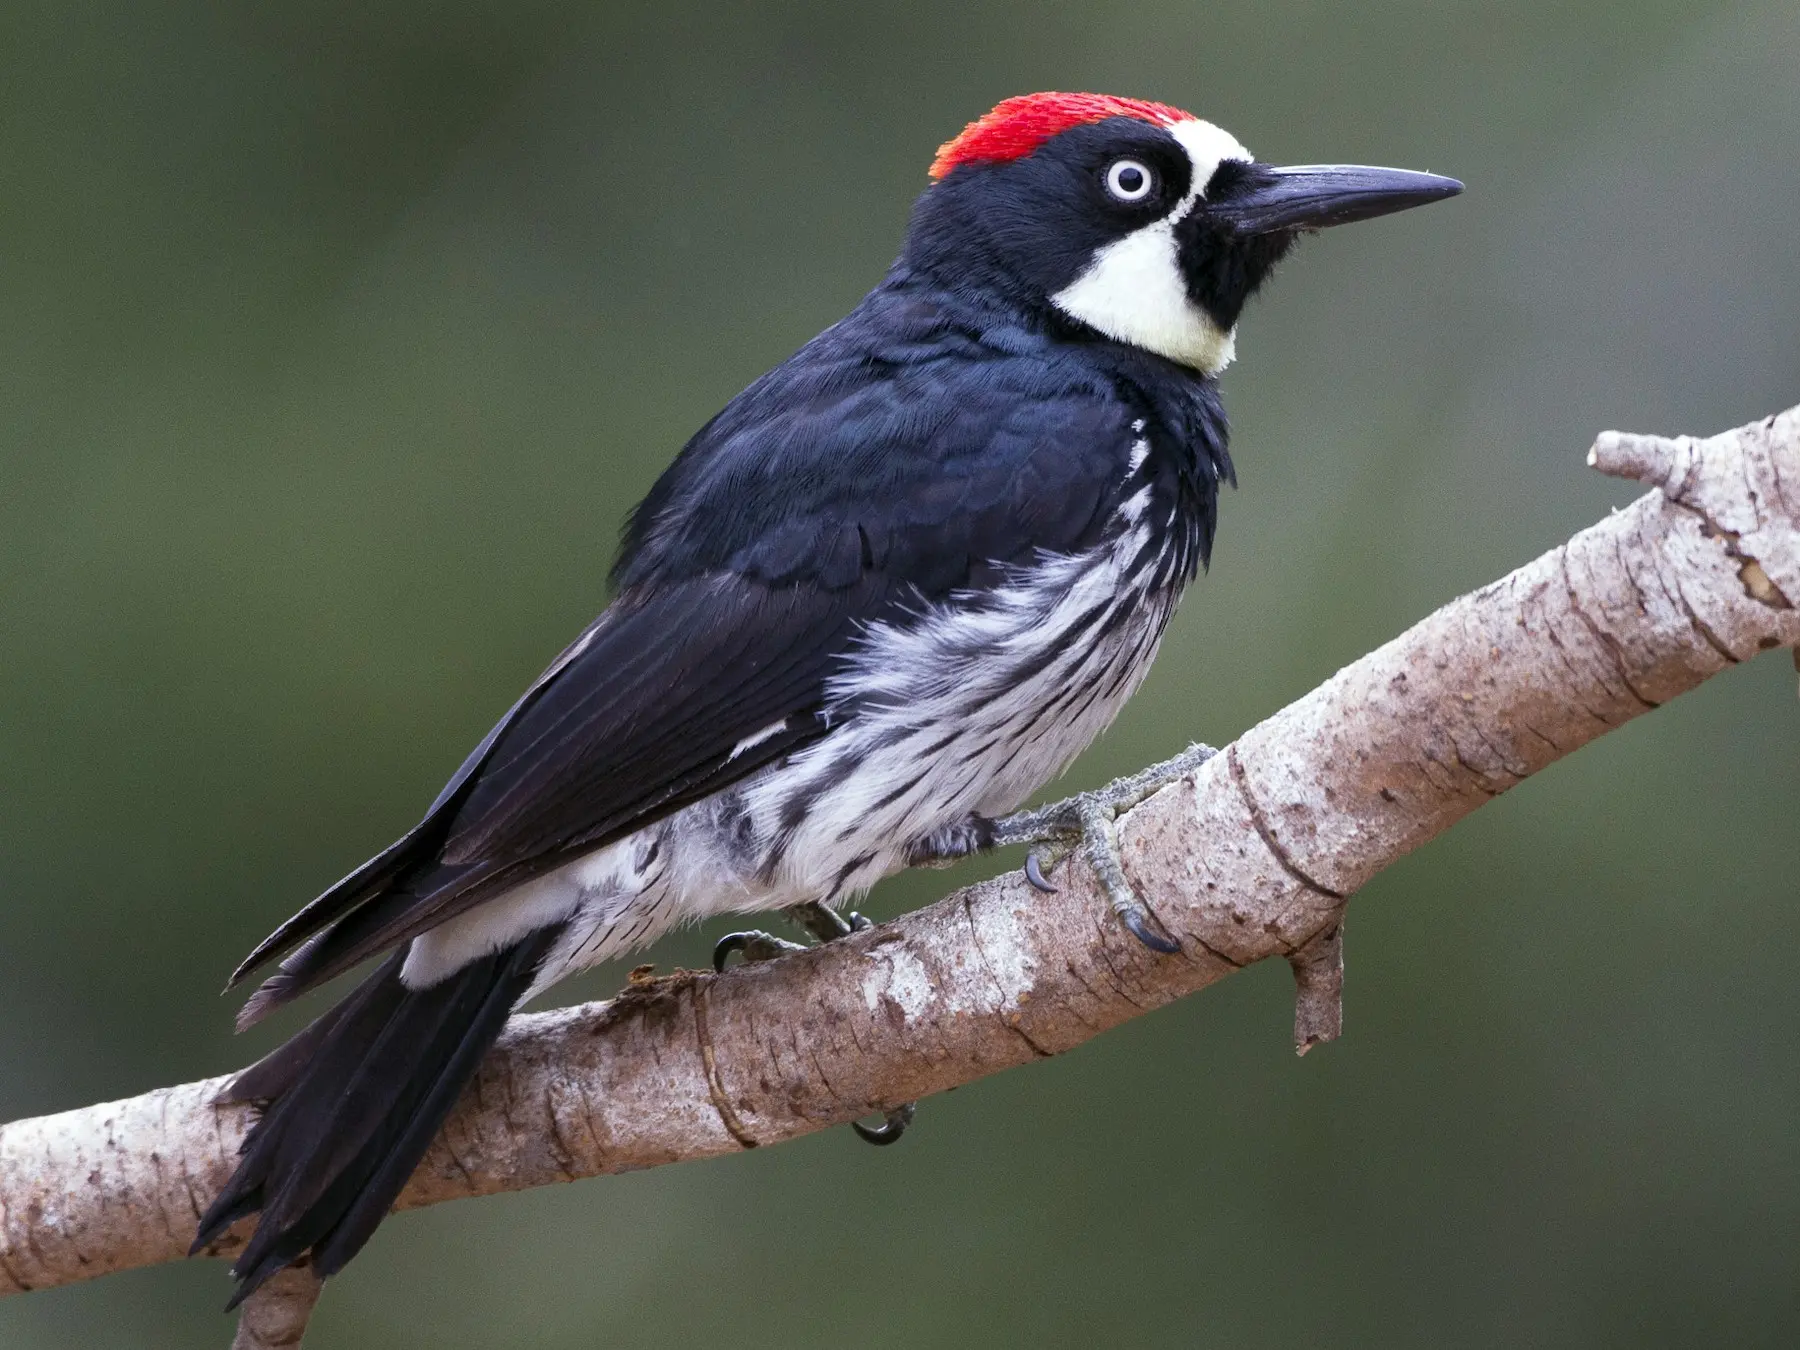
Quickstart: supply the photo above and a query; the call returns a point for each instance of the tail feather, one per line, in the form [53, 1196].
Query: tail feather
[398, 1161]
[373, 879]
[355, 1101]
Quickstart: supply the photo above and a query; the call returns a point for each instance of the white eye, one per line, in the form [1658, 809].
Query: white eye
[1129, 180]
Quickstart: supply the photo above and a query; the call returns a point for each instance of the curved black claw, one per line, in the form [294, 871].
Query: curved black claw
[893, 1125]
[1086, 822]
[1147, 930]
[755, 944]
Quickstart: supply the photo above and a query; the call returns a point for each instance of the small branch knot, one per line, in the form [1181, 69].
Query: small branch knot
[1319, 987]
[1666, 462]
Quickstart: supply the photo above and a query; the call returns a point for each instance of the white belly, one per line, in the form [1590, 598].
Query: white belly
[968, 713]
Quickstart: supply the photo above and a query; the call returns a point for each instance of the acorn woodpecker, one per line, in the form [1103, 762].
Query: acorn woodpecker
[895, 587]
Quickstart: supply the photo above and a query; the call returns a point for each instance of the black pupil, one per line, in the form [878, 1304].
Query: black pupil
[1130, 180]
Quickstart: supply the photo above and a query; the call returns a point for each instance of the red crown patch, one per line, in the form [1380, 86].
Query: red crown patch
[1020, 125]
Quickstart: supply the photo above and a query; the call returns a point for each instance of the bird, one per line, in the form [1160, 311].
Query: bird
[882, 598]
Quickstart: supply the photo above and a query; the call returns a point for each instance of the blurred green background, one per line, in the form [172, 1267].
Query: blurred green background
[338, 337]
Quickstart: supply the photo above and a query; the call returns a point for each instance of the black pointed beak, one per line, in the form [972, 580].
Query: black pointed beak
[1312, 196]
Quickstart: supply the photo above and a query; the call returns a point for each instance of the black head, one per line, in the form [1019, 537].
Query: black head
[1134, 220]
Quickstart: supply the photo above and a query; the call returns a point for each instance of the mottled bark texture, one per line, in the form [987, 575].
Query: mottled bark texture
[1251, 857]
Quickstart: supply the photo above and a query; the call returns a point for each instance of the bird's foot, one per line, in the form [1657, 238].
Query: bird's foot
[949, 844]
[825, 925]
[893, 1125]
[1084, 822]
[753, 945]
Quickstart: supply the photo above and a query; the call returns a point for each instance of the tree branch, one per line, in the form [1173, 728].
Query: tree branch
[1251, 857]
[275, 1316]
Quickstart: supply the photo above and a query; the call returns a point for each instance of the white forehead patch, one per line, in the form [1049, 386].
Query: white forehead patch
[1133, 289]
[1208, 146]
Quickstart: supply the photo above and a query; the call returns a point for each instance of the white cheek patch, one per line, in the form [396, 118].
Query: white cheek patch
[1133, 290]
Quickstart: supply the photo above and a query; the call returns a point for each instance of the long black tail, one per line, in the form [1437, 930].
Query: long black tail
[353, 1103]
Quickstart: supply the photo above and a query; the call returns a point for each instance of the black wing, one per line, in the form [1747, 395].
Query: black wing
[642, 717]
[893, 461]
